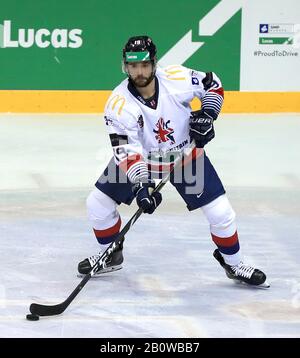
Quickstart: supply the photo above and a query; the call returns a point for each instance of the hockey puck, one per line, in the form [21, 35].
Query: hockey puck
[32, 317]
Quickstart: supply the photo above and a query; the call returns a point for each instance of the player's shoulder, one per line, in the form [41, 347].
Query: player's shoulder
[172, 72]
[120, 102]
[180, 74]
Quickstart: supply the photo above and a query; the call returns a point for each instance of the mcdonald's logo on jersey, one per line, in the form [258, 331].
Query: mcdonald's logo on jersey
[118, 102]
[174, 73]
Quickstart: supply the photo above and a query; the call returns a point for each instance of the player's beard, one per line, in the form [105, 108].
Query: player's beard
[142, 81]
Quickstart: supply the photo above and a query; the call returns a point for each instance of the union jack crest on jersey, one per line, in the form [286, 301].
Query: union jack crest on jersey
[164, 133]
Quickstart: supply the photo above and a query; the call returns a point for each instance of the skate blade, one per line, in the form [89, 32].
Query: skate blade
[264, 285]
[103, 271]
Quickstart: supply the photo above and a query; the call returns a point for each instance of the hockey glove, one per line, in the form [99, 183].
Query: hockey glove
[201, 127]
[144, 199]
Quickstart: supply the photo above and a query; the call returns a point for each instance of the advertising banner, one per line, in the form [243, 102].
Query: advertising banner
[72, 47]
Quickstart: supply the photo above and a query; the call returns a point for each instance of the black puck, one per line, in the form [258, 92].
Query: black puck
[32, 317]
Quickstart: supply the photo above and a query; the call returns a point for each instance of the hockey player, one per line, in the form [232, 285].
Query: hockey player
[147, 113]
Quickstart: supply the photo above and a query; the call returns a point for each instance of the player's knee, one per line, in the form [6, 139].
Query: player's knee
[220, 213]
[226, 216]
[99, 206]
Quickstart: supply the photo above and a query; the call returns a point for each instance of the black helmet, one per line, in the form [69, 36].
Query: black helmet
[139, 48]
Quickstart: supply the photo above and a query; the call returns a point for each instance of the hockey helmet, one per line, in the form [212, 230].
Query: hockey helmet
[139, 48]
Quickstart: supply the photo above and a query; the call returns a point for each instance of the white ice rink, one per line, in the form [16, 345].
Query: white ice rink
[170, 286]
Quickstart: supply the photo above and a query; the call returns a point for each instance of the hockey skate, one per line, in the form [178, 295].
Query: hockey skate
[112, 263]
[243, 273]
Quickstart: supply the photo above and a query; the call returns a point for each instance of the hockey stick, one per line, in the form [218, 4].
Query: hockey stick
[53, 310]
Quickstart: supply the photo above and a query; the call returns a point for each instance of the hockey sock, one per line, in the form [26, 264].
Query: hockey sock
[106, 236]
[229, 248]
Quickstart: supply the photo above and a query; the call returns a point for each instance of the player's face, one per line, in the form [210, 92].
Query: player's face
[140, 73]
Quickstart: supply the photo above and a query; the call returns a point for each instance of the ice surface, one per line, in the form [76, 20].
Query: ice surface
[170, 285]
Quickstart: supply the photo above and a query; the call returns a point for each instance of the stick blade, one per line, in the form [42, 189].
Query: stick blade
[46, 310]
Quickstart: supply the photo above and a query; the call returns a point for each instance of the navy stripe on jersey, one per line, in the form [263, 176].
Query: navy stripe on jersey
[138, 172]
[212, 101]
[134, 167]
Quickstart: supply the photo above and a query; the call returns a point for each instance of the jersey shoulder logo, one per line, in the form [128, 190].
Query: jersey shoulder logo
[175, 73]
[164, 133]
[195, 81]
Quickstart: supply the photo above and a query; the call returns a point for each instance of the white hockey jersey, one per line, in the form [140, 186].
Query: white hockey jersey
[139, 132]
